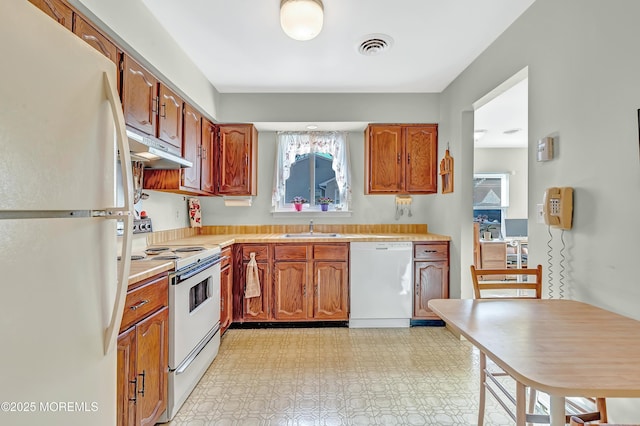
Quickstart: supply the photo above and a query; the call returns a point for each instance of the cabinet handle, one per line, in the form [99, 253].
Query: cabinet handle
[203, 149]
[154, 105]
[163, 112]
[139, 304]
[141, 392]
[398, 158]
[408, 158]
[429, 251]
[222, 304]
[304, 289]
[134, 382]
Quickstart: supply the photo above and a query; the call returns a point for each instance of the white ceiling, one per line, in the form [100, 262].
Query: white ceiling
[240, 47]
[502, 122]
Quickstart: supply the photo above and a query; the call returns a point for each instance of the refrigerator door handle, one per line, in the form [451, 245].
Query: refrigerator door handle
[126, 214]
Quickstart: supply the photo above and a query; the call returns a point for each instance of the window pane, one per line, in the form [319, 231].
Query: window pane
[325, 179]
[312, 170]
[298, 183]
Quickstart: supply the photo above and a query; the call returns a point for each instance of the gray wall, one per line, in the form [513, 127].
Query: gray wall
[583, 88]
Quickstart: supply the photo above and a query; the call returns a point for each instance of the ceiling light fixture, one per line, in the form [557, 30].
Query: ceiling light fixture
[301, 19]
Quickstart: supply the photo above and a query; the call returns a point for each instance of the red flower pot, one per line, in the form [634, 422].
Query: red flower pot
[298, 206]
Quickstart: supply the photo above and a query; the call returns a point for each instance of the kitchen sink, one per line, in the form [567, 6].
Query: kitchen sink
[311, 235]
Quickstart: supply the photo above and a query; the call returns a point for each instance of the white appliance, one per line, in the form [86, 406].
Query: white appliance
[63, 289]
[381, 282]
[194, 317]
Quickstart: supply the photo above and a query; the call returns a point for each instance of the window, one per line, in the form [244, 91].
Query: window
[312, 165]
[490, 202]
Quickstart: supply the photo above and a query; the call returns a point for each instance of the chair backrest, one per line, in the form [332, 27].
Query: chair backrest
[576, 421]
[507, 279]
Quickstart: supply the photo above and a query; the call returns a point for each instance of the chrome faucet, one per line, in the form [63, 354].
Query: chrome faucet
[311, 226]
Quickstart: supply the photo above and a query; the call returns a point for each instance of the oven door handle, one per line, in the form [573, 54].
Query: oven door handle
[188, 274]
[194, 354]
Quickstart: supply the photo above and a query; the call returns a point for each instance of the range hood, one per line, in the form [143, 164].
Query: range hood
[155, 153]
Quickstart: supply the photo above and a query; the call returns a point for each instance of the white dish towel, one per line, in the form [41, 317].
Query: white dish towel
[252, 284]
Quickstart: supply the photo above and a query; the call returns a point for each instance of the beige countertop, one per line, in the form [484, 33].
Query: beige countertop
[141, 270]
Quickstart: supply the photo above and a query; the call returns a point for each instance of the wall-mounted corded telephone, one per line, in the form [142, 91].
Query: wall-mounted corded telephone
[558, 207]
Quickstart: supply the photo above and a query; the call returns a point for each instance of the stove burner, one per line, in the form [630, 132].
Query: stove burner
[156, 250]
[167, 257]
[134, 257]
[187, 249]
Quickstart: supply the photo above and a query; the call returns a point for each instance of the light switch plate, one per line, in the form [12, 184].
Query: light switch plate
[539, 213]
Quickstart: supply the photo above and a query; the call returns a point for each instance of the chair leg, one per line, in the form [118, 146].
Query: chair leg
[601, 407]
[483, 390]
[533, 399]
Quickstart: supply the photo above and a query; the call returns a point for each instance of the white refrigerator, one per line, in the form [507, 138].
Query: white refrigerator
[62, 288]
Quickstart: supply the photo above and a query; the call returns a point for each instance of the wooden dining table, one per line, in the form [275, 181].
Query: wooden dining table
[561, 347]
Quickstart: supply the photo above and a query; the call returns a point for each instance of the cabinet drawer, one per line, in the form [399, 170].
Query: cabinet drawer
[144, 300]
[226, 257]
[434, 251]
[290, 252]
[331, 252]
[261, 251]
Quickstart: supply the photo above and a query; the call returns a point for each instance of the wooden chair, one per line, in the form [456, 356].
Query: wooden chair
[577, 421]
[517, 283]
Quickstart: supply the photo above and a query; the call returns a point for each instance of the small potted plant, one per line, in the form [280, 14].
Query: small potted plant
[324, 203]
[298, 201]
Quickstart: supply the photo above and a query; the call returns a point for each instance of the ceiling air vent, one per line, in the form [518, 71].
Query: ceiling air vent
[375, 44]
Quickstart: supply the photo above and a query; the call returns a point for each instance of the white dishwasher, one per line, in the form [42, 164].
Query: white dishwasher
[381, 281]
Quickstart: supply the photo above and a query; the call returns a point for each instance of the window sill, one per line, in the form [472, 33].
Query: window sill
[310, 213]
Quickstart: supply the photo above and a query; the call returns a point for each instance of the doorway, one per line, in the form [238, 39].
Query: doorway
[500, 184]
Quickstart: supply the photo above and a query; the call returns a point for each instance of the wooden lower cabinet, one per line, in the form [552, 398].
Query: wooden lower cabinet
[308, 282]
[290, 290]
[226, 289]
[143, 356]
[331, 290]
[431, 277]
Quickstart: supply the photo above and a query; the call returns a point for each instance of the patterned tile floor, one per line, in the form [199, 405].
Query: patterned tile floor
[340, 376]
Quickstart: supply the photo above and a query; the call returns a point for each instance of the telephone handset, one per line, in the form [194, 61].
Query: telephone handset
[558, 207]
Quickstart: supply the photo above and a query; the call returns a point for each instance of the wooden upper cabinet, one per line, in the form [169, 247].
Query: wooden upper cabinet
[139, 96]
[170, 117]
[57, 10]
[384, 157]
[207, 170]
[237, 159]
[401, 158]
[93, 37]
[421, 144]
[192, 147]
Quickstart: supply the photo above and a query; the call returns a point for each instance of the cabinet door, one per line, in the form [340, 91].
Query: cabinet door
[237, 156]
[94, 38]
[170, 117]
[421, 144]
[139, 96]
[126, 378]
[257, 308]
[57, 10]
[192, 146]
[384, 159]
[152, 362]
[226, 302]
[290, 290]
[207, 169]
[431, 281]
[331, 290]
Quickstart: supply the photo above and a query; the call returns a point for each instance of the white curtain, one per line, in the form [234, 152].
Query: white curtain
[291, 144]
